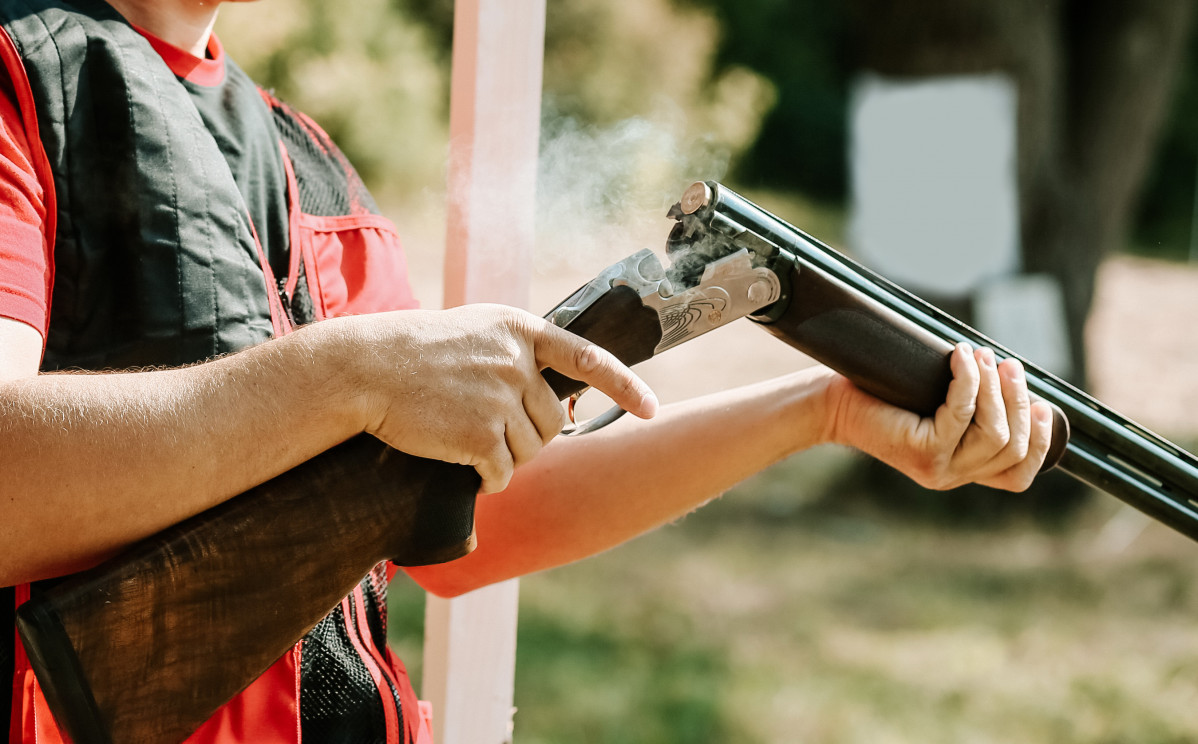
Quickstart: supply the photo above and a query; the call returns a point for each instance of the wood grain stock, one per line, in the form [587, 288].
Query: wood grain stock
[145, 647]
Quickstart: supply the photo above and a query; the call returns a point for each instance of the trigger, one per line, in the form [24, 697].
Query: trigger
[586, 427]
[571, 403]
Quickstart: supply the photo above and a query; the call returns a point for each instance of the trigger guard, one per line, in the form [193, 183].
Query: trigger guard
[595, 424]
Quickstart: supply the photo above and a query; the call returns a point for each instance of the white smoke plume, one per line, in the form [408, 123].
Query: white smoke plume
[603, 191]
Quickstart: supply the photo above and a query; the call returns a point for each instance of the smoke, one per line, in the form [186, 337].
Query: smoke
[603, 191]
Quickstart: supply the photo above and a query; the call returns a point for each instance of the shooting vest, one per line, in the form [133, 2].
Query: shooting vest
[156, 261]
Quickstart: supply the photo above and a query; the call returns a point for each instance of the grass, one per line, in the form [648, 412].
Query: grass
[762, 619]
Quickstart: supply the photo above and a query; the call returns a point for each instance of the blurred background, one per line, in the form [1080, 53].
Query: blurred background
[1029, 165]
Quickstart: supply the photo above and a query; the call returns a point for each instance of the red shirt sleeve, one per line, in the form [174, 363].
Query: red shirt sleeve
[26, 269]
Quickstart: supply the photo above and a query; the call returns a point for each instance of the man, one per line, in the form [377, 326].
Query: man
[158, 211]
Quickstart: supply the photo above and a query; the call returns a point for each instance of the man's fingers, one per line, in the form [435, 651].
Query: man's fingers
[523, 440]
[496, 470]
[989, 433]
[999, 438]
[991, 413]
[579, 359]
[545, 411]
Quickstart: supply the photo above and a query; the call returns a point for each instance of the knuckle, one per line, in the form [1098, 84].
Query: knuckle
[1018, 481]
[506, 313]
[1020, 447]
[588, 358]
[943, 481]
[931, 472]
[501, 458]
[489, 439]
[937, 482]
[965, 411]
[998, 436]
[629, 387]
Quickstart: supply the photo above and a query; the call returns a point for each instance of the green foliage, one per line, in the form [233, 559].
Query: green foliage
[801, 47]
[1165, 221]
[375, 74]
[365, 71]
[827, 626]
[618, 680]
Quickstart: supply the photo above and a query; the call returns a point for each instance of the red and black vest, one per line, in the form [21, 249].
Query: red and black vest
[157, 262]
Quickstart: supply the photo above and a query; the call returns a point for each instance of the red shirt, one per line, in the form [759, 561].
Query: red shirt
[26, 263]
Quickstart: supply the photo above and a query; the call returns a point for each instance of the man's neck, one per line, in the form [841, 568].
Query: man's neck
[186, 24]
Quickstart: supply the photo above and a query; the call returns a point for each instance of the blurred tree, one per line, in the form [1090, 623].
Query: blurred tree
[632, 109]
[801, 46]
[1165, 222]
[375, 74]
[607, 62]
[364, 70]
[1094, 79]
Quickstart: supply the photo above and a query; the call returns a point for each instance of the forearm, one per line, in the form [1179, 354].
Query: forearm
[582, 496]
[95, 461]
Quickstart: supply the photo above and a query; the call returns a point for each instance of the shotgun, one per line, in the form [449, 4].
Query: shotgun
[895, 345]
[146, 646]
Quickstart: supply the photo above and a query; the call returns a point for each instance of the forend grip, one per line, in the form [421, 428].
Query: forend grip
[882, 352]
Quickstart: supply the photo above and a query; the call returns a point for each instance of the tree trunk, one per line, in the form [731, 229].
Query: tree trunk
[1094, 78]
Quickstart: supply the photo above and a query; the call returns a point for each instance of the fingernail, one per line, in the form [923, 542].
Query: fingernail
[1016, 370]
[987, 356]
[1042, 413]
[648, 405]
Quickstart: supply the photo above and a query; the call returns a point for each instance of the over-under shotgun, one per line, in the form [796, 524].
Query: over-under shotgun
[146, 646]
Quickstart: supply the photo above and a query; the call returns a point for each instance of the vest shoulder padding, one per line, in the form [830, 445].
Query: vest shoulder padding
[155, 260]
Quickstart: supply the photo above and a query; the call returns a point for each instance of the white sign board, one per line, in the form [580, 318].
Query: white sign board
[935, 205]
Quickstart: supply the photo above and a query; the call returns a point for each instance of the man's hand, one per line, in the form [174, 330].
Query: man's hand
[465, 385]
[987, 431]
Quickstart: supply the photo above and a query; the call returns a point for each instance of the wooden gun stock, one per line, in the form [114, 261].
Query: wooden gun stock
[145, 647]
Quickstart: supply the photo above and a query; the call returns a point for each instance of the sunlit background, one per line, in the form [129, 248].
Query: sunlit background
[1028, 165]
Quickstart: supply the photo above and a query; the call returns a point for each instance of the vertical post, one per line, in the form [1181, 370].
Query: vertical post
[494, 131]
[495, 106]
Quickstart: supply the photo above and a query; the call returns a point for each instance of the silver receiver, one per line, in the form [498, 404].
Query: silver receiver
[730, 288]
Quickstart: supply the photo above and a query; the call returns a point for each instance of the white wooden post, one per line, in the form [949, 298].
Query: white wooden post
[495, 107]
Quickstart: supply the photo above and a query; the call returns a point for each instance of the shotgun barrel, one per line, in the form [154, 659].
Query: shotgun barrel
[843, 314]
